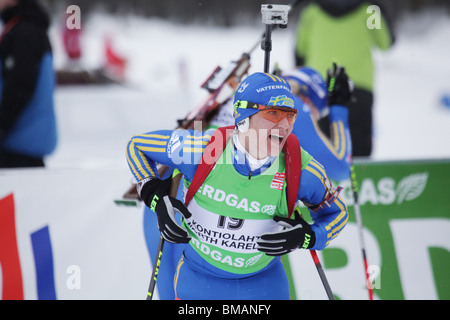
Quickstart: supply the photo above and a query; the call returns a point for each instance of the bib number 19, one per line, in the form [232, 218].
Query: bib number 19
[232, 224]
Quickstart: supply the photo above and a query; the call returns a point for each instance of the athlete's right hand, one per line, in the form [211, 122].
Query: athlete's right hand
[155, 194]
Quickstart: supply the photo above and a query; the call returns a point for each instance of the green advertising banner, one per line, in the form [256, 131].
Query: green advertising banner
[405, 209]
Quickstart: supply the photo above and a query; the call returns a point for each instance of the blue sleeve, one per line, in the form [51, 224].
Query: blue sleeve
[179, 149]
[334, 154]
[341, 140]
[329, 221]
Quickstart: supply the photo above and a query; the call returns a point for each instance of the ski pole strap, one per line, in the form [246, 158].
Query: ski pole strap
[329, 198]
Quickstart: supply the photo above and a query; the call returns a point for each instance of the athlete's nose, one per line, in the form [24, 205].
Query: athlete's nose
[283, 123]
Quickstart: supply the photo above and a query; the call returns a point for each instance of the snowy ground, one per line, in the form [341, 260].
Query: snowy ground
[168, 62]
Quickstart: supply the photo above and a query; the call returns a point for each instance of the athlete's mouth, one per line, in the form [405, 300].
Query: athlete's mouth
[276, 137]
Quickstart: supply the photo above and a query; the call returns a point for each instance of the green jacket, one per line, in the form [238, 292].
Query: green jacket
[347, 40]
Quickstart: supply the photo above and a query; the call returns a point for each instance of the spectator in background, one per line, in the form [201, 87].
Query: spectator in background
[27, 119]
[345, 31]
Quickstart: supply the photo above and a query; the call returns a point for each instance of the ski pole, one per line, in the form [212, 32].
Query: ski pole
[156, 264]
[322, 275]
[176, 178]
[360, 229]
[320, 270]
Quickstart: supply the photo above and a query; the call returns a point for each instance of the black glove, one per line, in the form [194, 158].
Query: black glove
[296, 234]
[340, 87]
[155, 194]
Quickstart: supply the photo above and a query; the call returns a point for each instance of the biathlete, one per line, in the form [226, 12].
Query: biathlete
[237, 217]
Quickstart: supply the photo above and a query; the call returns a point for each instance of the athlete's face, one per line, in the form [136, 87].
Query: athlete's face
[266, 137]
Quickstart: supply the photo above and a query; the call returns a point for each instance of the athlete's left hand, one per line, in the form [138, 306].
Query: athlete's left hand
[297, 233]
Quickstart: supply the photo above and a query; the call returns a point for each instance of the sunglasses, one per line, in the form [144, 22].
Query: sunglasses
[276, 115]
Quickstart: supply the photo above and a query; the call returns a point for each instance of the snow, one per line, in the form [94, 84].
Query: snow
[167, 63]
